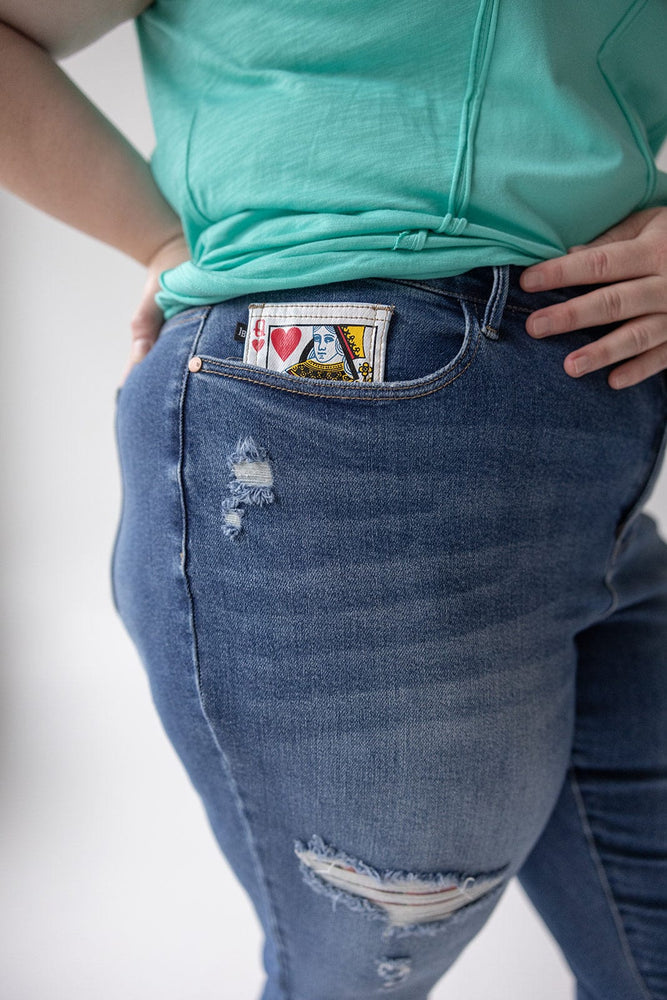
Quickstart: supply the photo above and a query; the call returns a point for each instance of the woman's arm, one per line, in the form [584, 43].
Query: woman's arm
[58, 152]
[62, 155]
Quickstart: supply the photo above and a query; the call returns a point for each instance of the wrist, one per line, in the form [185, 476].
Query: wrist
[174, 240]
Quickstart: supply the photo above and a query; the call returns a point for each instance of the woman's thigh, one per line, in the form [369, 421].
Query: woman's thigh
[359, 603]
[598, 874]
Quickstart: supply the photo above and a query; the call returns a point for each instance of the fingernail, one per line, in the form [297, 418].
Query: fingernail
[581, 365]
[540, 326]
[531, 280]
[137, 352]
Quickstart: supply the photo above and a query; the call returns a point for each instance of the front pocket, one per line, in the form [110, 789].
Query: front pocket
[330, 341]
[419, 342]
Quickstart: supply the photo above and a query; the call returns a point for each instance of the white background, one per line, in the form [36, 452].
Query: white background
[112, 885]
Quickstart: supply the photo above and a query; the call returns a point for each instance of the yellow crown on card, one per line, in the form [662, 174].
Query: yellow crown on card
[354, 335]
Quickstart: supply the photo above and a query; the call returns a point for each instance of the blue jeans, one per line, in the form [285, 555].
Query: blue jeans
[409, 638]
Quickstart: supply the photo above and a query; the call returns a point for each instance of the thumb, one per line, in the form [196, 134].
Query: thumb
[145, 327]
[148, 317]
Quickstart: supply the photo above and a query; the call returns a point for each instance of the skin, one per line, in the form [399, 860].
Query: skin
[59, 152]
[62, 155]
[631, 260]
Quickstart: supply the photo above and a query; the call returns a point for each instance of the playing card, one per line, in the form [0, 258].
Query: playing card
[343, 341]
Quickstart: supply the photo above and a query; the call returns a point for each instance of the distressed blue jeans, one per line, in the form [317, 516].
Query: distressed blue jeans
[409, 637]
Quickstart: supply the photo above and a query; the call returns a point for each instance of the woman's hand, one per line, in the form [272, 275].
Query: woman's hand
[148, 317]
[632, 258]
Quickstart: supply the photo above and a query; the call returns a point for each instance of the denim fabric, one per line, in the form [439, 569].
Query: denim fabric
[419, 646]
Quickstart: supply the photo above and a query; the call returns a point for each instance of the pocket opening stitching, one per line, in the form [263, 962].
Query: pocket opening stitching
[389, 393]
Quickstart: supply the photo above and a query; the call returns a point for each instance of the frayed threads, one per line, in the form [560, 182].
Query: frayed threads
[251, 483]
[408, 902]
[393, 971]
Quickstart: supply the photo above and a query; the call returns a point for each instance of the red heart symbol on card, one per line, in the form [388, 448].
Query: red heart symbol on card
[257, 344]
[284, 341]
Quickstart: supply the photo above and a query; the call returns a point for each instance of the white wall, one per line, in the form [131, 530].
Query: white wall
[112, 885]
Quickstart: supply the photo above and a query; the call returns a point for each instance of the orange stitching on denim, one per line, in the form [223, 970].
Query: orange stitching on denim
[326, 307]
[455, 295]
[389, 394]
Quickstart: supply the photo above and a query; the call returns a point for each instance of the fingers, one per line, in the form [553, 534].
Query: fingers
[629, 261]
[633, 247]
[148, 319]
[640, 368]
[644, 340]
[591, 265]
[145, 326]
[605, 305]
[145, 329]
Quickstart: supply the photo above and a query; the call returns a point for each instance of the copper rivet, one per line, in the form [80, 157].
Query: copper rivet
[194, 364]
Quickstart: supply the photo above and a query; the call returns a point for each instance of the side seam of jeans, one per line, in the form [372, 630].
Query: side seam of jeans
[236, 794]
[119, 523]
[629, 518]
[605, 886]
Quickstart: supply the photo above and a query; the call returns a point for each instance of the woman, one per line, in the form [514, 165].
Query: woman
[406, 645]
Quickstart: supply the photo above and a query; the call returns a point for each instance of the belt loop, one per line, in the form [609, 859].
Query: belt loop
[496, 304]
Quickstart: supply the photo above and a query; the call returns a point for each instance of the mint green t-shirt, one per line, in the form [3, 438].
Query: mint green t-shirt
[310, 141]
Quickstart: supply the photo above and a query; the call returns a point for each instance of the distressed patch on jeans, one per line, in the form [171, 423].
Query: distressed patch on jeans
[409, 901]
[336, 341]
[251, 483]
[393, 971]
